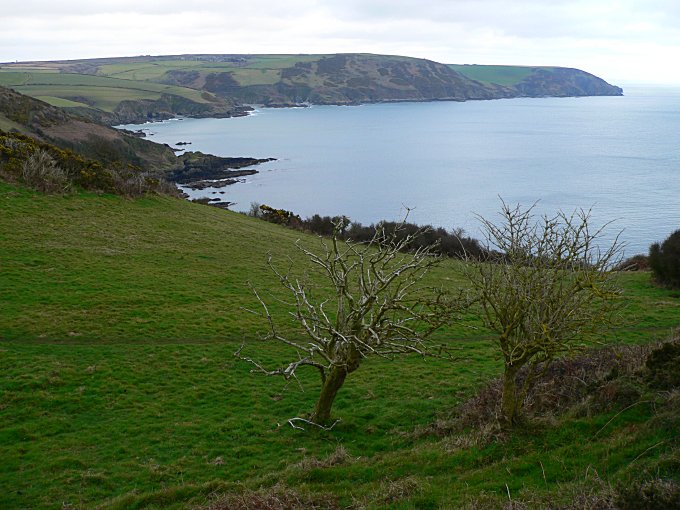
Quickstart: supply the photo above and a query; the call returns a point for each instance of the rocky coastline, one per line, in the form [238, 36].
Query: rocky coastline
[200, 171]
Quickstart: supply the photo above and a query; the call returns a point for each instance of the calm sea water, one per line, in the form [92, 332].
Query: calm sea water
[450, 161]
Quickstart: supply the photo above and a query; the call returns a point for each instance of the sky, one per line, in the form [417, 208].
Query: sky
[622, 41]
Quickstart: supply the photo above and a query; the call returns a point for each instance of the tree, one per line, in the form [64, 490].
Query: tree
[664, 259]
[543, 289]
[375, 305]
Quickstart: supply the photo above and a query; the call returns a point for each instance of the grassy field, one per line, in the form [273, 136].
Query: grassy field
[257, 70]
[118, 385]
[131, 75]
[100, 92]
[500, 75]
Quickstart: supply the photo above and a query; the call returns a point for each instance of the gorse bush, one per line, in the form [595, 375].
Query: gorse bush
[49, 169]
[664, 259]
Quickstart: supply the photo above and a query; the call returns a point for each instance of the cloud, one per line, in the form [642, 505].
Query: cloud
[602, 36]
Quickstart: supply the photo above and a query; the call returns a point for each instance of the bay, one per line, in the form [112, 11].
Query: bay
[448, 162]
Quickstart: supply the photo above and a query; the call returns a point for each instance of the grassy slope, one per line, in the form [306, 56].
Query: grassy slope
[119, 319]
[501, 75]
[101, 92]
[8, 125]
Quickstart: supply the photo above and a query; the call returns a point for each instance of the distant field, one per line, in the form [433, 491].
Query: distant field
[118, 323]
[257, 70]
[100, 92]
[61, 102]
[135, 80]
[143, 71]
[500, 75]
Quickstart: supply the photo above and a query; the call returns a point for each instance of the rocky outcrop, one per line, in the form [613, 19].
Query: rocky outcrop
[199, 171]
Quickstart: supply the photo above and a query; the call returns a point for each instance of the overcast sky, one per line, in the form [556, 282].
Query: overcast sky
[623, 41]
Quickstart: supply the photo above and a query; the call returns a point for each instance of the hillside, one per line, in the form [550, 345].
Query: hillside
[114, 153]
[66, 129]
[135, 89]
[539, 81]
[118, 323]
[109, 99]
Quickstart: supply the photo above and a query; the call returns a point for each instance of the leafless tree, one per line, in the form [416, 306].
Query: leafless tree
[545, 288]
[375, 305]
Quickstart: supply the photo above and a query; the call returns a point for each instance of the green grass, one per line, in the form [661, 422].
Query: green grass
[142, 71]
[104, 98]
[279, 61]
[60, 102]
[101, 92]
[13, 78]
[7, 125]
[500, 75]
[118, 321]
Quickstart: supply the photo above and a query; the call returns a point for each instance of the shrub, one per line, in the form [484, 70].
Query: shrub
[663, 367]
[602, 379]
[634, 263]
[452, 244]
[41, 172]
[649, 495]
[664, 259]
[49, 169]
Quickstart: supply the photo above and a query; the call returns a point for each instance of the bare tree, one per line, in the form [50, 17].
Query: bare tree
[376, 305]
[545, 286]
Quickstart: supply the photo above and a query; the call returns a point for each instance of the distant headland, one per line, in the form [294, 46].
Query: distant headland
[139, 89]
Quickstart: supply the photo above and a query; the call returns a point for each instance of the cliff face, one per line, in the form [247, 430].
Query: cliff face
[355, 78]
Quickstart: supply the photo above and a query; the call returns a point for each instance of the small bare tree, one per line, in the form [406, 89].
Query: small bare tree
[544, 288]
[376, 306]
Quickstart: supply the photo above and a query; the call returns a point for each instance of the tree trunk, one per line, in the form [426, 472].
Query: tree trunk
[333, 382]
[511, 404]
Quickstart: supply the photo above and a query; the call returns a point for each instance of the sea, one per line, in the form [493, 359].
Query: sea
[448, 164]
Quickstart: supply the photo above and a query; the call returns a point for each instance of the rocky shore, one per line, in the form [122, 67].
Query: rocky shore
[200, 171]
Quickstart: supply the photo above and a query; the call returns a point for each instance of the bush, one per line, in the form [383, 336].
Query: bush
[49, 169]
[40, 172]
[664, 259]
[596, 380]
[634, 263]
[649, 495]
[452, 244]
[663, 367]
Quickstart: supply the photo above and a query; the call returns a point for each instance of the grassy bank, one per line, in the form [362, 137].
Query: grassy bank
[118, 321]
